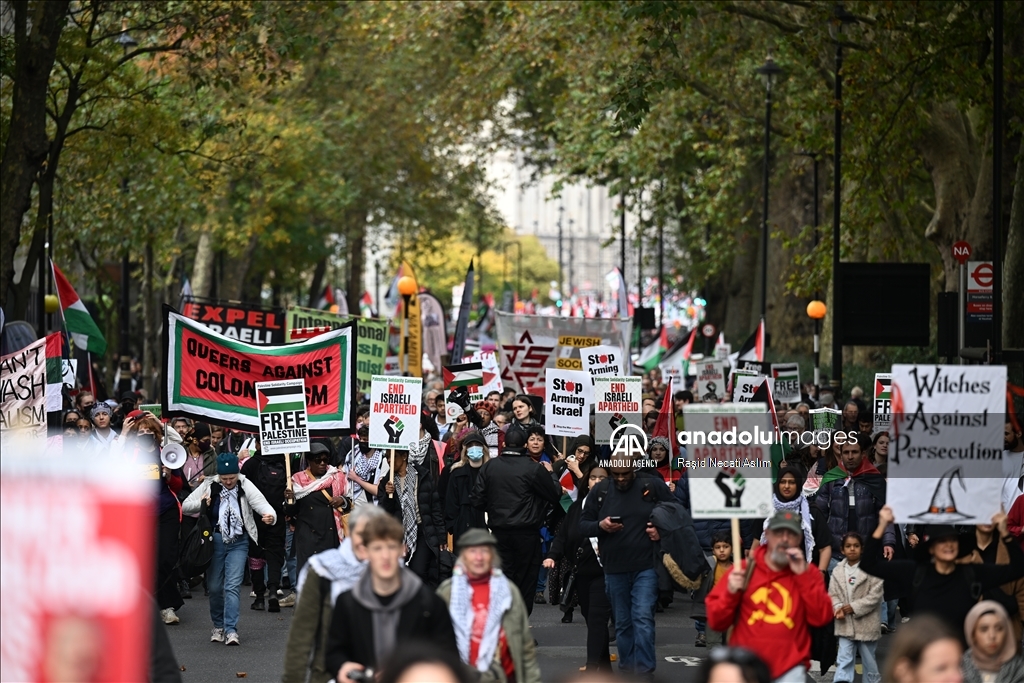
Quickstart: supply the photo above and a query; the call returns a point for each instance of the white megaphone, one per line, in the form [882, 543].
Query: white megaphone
[173, 456]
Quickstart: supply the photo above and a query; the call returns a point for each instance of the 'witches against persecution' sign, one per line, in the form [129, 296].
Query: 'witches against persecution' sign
[946, 450]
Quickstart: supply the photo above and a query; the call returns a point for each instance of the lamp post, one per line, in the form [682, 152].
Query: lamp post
[817, 238]
[816, 311]
[126, 42]
[839, 18]
[769, 72]
[406, 287]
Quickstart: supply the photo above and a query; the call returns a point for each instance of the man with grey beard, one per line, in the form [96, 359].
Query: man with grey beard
[772, 601]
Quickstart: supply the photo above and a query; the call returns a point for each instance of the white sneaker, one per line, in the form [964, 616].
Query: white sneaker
[233, 639]
[280, 593]
[288, 601]
[252, 594]
[168, 616]
[217, 635]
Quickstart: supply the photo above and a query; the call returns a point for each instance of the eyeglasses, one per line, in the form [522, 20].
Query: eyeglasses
[583, 451]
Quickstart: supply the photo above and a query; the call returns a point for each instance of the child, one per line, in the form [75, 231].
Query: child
[857, 602]
[721, 550]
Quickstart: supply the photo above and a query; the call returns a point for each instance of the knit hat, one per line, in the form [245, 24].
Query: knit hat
[201, 431]
[227, 463]
[484, 405]
[100, 408]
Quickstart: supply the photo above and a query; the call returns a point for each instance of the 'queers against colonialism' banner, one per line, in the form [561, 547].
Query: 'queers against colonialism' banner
[212, 378]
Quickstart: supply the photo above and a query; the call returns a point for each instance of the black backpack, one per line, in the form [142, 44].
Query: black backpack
[197, 548]
[272, 480]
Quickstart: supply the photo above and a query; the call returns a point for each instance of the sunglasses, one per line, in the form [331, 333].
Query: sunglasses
[321, 459]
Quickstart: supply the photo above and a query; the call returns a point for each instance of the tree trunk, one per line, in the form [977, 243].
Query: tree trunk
[317, 285]
[37, 29]
[1013, 265]
[149, 327]
[202, 268]
[235, 271]
[356, 241]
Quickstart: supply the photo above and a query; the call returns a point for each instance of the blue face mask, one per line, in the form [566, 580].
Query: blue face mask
[475, 453]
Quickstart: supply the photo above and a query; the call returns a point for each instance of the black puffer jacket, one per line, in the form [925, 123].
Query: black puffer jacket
[459, 513]
[515, 492]
[431, 530]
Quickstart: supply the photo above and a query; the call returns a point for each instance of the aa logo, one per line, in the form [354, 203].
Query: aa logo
[628, 441]
[770, 611]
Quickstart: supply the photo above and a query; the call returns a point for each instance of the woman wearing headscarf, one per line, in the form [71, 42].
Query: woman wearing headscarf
[993, 656]
[660, 451]
[579, 460]
[787, 495]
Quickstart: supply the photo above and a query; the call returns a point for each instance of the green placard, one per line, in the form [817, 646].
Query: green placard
[371, 339]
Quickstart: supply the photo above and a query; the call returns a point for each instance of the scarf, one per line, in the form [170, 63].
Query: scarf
[989, 663]
[490, 434]
[798, 505]
[418, 450]
[365, 465]
[461, 610]
[384, 618]
[333, 482]
[230, 517]
[339, 565]
[866, 474]
[406, 487]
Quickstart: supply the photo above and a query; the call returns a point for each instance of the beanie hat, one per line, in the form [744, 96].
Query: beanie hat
[100, 408]
[201, 430]
[484, 405]
[227, 463]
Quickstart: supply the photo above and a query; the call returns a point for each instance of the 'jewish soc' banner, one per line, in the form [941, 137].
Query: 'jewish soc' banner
[212, 378]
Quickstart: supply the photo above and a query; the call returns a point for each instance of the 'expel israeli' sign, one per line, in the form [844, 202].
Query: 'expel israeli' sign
[567, 402]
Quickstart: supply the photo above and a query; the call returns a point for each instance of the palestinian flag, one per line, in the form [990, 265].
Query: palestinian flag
[469, 375]
[753, 348]
[883, 387]
[780, 449]
[54, 384]
[653, 352]
[281, 399]
[80, 325]
[666, 424]
[678, 357]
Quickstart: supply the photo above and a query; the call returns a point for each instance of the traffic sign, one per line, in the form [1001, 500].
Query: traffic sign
[708, 330]
[981, 276]
[962, 251]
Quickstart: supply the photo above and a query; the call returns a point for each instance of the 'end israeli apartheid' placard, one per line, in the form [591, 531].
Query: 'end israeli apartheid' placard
[617, 401]
[946, 449]
[567, 402]
[395, 411]
[710, 381]
[284, 424]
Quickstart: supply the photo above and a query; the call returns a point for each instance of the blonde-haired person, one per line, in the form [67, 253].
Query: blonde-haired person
[993, 656]
[459, 512]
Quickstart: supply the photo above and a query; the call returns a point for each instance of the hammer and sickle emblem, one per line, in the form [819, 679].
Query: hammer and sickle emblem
[776, 614]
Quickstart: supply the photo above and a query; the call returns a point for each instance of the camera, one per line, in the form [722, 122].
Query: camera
[364, 676]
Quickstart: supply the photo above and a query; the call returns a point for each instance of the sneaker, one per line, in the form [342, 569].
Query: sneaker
[288, 601]
[252, 594]
[887, 629]
[539, 599]
[233, 639]
[258, 603]
[702, 640]
[217, 635]
[273, 605]
[168, 616]
[280, 593]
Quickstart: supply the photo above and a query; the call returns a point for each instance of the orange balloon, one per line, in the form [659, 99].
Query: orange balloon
[816, 310]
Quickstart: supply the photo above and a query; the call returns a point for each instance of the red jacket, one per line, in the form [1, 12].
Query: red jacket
[1015, 520]
[774, 613]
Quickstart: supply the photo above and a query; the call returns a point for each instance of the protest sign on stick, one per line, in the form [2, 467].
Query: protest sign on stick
[23, 396]
[786, 388]
[883, 402]
[567, 402]
[617, 401]
[604, 361]
[284, 426]
[395, 412]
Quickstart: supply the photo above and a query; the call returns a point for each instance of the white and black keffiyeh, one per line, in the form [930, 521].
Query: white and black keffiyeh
[230, 517]
[461, 610]
[418, 450]
[365, 466]
[406, 486]
[799, 505]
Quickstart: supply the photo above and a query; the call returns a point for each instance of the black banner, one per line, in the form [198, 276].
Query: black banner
[250, 324]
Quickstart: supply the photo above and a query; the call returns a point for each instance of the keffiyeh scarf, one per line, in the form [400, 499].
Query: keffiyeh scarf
[461, 610]
[799, 505]
[407, 486]
[230, 517]
[333, 482]
[365, 466]
[418, 450]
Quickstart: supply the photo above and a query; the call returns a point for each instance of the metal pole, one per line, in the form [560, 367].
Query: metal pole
[561, 210]
[640, 257]
[764, 210]
[961, 288]
[837, 179]
[622, 235]
[997, 185]
[661, 272]
[817, 295]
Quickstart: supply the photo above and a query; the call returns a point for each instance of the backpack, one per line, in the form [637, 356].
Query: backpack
[272, 480]
[197, 548]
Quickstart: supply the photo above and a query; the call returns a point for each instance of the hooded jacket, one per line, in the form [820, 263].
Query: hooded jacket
[772, 614]
[515, 492]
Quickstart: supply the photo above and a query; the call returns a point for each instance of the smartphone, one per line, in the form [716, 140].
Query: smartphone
[616, 519]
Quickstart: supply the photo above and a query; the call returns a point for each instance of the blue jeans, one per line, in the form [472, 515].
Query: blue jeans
[632, 596]
[847, 657]
[889, 613]
[224, 578]
[542, 580]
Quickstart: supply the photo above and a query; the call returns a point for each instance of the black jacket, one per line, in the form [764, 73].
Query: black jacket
[431, 529]
[350, 639]
[515, 492]
[459, 513]
[571, 544]
[315, 527]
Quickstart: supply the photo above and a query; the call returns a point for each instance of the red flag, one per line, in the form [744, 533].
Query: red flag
[568, 484]
[666, 424]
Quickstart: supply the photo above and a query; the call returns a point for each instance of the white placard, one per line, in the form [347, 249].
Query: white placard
[604, 361]
[284, 423]
[69, 372]
[786, 388]
[728, 460]
[492, 372]
[744, 386]
[946, 450]
[882, 407]
[723, 351]
[617, 400]
[567, 398]
[710, 381]
[395, 411]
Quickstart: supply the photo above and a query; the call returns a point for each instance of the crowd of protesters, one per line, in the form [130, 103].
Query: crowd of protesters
[451, 544]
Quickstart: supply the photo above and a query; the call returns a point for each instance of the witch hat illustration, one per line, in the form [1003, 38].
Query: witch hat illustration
[943, 507]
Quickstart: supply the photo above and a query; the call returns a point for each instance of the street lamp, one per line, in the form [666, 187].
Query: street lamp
[126, 42]
[769, 72]
[816, 311]
[840, 17]
[406, 287]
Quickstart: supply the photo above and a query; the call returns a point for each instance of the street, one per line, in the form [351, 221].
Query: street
[561, 648]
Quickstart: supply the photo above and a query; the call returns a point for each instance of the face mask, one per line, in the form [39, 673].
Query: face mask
[147, 442]
[475, 453]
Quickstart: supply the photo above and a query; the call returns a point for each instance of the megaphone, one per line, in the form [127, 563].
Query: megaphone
[173, 456]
